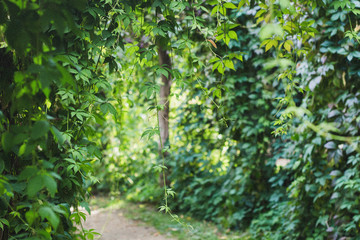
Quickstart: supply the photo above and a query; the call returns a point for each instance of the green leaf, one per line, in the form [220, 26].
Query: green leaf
[356, 11]
[268, 46]
[229, 64]
[240, 57]
[271, 43]
[162, 71]
[221, 68]
[150, 132]
[170, 192]
[59, 137]
[241, 3]
[108, 107]
[217, 93]
[50, 184]
[222, 10]
[226, 39]
[214, 59]
[287, 45]
[22, 149]
[39, 129]
[27, 173]
[330, 145]
[4, 221]
[7, 141]
[159, 168]
[49, 214]
[229, 5]
[159, 31]
[149, 92]
[86, 206]
[30, 216]
[214, 10]
[216, 65]
[17, 36]
[233, 35]
[35, 185]
[66, 78]
[112, 110]
[86, 73]
[106, 33]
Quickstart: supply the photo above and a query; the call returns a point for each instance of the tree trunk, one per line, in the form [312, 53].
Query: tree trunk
[164, 61]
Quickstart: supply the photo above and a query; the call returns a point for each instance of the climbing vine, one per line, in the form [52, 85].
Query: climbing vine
[72, 72]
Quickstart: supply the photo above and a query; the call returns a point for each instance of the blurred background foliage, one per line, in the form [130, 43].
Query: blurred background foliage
[264, 113]
[225, 163]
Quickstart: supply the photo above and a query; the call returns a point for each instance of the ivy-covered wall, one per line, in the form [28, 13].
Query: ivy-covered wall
[303, 183]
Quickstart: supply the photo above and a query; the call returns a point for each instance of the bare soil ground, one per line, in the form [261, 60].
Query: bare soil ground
[112, 225]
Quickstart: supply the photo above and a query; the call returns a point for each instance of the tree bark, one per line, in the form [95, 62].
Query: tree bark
[164, 61]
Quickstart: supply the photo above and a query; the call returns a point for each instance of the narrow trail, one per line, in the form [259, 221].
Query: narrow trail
[114, 226]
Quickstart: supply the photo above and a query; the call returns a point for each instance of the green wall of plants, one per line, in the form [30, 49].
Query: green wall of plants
[264, 122]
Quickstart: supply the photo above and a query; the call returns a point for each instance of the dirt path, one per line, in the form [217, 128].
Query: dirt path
[114, 226]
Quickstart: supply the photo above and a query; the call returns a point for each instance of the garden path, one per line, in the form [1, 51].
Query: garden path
[112, 225]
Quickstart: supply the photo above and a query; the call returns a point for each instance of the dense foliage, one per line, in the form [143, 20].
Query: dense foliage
[264, 113]
[226, 164]
[52, 95]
